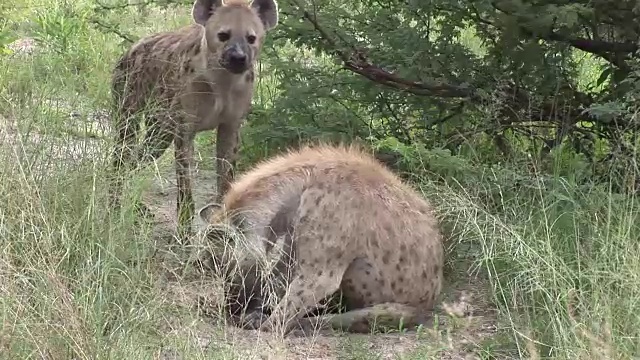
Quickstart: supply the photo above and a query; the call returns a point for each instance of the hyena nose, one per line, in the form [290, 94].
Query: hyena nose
[238, 58]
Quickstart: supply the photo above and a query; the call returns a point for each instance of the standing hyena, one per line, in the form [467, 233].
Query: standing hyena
[197, 78]
[348, 225]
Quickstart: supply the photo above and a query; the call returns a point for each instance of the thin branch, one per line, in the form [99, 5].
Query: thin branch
[113, 29]
[356, 61]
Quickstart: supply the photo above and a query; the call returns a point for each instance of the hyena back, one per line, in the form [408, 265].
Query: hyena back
[197, 78]
[343, 225]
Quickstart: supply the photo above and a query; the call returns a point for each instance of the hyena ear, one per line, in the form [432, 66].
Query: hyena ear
[203, 9]
[268, 12]
[207, 211]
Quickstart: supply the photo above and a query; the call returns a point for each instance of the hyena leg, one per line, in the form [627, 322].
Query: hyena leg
[309, 282]
[227, 141]
[184, 148]
[308, 288]
[126, 127]
[384, 317]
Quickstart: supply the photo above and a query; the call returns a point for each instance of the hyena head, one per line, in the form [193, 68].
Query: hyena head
[215, 223]
[235, 29]
[229, 246]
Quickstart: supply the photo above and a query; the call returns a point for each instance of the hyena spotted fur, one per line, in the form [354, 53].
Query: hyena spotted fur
[197, 78]
[344, 225]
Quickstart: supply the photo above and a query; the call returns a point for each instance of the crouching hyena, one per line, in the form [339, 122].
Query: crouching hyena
[346, 227]
[197, 78]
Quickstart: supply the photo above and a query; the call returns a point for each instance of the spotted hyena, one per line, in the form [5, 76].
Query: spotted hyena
[342, 225]
[197, 78]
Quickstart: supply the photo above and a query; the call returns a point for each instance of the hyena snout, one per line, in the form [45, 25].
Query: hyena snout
[236, 58]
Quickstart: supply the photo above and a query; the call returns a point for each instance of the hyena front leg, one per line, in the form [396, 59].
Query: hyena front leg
[312, 282]
[304, 294]
[184, 148]
[317, 270]
[227, 141]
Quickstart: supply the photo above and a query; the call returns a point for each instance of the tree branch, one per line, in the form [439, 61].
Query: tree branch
[356, 61]
[519, 102]
[613, 52]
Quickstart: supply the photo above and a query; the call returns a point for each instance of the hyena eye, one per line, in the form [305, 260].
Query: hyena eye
[224, 36]
[251, 39]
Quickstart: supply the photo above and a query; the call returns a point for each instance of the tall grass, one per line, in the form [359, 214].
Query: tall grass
[75, 281]
[68, 271]
[561, 259]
